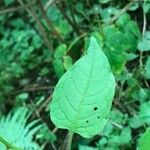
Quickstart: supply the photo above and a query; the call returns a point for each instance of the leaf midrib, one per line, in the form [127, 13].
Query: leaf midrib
[83, 96]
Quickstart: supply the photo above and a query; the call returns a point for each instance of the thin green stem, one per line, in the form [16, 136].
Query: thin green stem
[75, 41]
[69, 143]
[9, 145]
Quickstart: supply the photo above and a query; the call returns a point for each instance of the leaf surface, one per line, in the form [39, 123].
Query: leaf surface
[83, 96]
[145, 141]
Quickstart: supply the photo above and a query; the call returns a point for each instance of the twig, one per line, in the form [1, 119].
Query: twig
[42, 30]
[44, 104]
[123, 10]
[116, 124]
[18, 8]
[32, 89]
[75, 41]
[48, 4]
[69, 143]
[63, 145]
[144, 23]
[54, 147]
[38, 110]
[73, 15]
[143, 32]
[9, 145]
[48, 21]
[141, 53]
[61, 9]
[54, 130]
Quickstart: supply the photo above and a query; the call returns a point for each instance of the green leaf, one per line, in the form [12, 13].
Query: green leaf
[58, 60]
[7, 2]
[46, 134]
[134, 6]
[44, 71]
[131, 37]
[125, 136]
[58, 67]
[60, 51]
[133, 27]
[131, 56]
[116, 59]
[98, 38]
[104, 1]
[145, 112]
[84, 147]
[144, 44]
[135, 122]
[17, 129]
[147, 68]
[146, 6]
[123, 20]
[115, 51]
[22, 96]
[67, 62]
[83, 96]
[145, 141]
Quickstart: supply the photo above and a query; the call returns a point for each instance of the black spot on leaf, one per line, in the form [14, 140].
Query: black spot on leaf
[95, 108]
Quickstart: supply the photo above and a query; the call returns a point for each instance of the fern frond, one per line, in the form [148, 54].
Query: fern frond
[14, 129]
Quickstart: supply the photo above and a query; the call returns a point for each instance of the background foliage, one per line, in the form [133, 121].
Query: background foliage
[41, 39]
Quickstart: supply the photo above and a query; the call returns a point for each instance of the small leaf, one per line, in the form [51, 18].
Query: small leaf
[58, 60]
[44, 71]
[147, 68]
[60, 51]
[7, 2]
[145, 141]
[134, 6]
[145, 112]
[131, 56]
[146, 6]
[58, 67]
[144, 44]
[123, 20]
[133, 27]
[83, 96]
[67, 62]
[45, 134]
[22, 96]
[125, 136]
[104, 1]
[84, 147]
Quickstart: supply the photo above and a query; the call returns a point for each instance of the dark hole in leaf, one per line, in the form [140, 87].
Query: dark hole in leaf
[95, 108]
[87, 121]
[97, 117]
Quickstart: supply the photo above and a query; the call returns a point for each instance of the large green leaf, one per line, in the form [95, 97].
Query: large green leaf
[83, 96]
[145, 141]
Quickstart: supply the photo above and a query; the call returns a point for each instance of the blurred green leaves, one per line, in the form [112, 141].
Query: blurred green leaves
[116, 41]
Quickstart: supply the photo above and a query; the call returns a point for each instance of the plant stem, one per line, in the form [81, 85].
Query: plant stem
[9, 145]
[59, 5]
[123, 10]
[32, 12]
[75, 41]
[70, 137]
